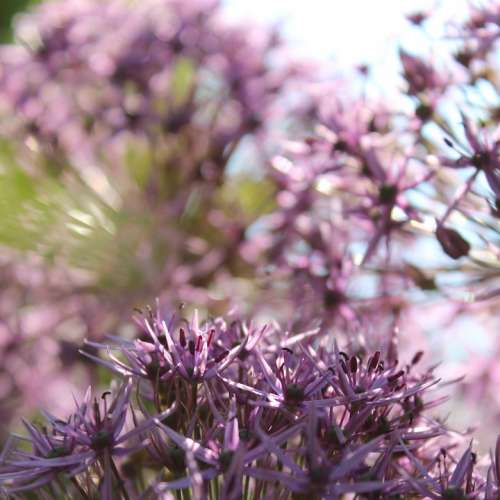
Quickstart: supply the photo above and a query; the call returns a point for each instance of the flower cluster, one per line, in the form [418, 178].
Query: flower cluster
[123, 119]
[140, 108]
[153, 149]
[90, 72]
[262, 418]
[373, 184]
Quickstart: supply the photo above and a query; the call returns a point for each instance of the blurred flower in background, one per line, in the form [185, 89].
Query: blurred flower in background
[123, 121]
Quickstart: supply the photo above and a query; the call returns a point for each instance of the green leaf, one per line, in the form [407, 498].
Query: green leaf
[138, 159]
[8, 9]
[182, 81]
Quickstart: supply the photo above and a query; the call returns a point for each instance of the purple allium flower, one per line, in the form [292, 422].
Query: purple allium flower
[479, 36]
[150, 105]
[343, 191]
[95, 424]
[178, 68]
[189, 349]
[321, 422]
[93, 434]
[134, 112]
[292, 382]
[229, 457]
[482, 153]
[323, 474]
[52, 453]
[493, 477]
[460, 484]
[420, 75]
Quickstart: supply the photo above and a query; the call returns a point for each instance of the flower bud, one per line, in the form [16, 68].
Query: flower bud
[452, 243]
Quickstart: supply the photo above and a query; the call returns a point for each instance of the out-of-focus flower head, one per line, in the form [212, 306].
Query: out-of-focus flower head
[479, 36]
[89, 72]
[482, 152]
[421, 76]
[130, 115]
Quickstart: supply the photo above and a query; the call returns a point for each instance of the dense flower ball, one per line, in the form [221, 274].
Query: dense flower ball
[90, 72]
[291, 417]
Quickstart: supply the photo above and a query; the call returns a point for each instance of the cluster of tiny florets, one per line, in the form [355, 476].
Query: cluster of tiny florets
[157, 150]
[198, 408]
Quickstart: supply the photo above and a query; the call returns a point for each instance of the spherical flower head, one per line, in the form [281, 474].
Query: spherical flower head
[96, 72]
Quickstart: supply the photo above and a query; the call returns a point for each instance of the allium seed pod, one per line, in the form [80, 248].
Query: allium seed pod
[452, 243]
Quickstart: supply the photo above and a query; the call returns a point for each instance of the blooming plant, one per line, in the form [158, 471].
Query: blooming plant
[334, 240]
[272, 423]
[123, 118]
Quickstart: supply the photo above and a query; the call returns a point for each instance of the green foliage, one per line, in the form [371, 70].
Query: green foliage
[248, 196]
[72, 225]
[8, 9]
[182, 81]
[138, 159]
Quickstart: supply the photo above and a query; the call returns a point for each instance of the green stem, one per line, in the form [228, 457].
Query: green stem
[216, 485]
[186, 494]
[194, 395]
[246, 487]
[76, 484]
[117, 476]
[463, 190]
